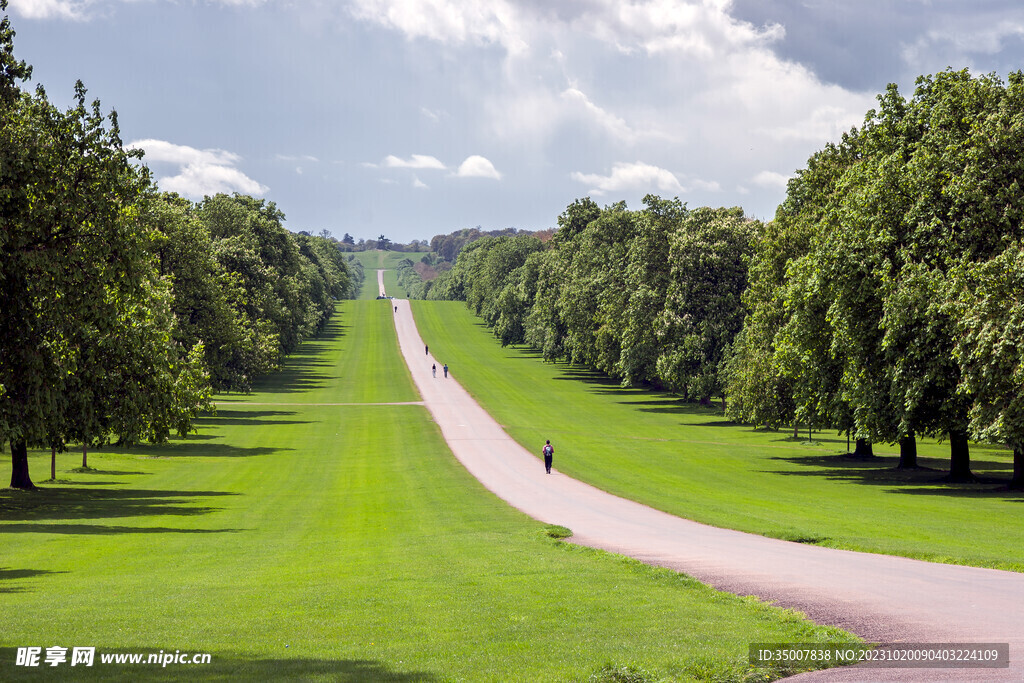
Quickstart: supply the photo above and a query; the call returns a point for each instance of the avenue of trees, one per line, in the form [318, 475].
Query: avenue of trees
[885, 300]
[123, 308]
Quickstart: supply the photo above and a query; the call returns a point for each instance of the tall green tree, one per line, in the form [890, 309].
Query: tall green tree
[703, 311]
[988, 307]
[648, 273]
[75, 261]
[593, 300]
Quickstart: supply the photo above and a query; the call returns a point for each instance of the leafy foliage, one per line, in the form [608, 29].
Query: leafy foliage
[123, 308]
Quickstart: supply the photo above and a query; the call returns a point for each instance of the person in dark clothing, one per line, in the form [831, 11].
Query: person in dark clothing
[549, 455]
[446, 370]
[426, 350]
[433, 369]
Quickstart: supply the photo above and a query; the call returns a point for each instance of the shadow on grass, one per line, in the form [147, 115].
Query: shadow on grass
[200, 450]
[103, 530]
[220, 668]
[926, 480]
[20, 575]
[69, 503]
[300, 370]
[245, 417]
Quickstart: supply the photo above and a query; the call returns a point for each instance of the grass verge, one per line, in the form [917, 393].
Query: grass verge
[687, 460]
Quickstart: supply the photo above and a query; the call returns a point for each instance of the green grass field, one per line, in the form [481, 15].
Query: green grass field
[375, 260]
[293, 539]
[687, 460]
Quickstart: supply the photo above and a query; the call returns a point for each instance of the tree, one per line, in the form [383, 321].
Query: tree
[926, 185]
[75, 259]
[703, 310]
[647, 279]
[989, 307]
[593, 299]
[544, 328]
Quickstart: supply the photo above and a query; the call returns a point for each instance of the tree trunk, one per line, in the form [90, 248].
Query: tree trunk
[53, 463]
[908, 452]
[1018, 469]
[19, 466]
[85, 456]
[796, 431]
[959, 456]
[863, 449]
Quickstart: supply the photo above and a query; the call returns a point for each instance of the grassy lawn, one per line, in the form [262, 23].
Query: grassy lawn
[375, 260]
[296, 540]
[687, 460]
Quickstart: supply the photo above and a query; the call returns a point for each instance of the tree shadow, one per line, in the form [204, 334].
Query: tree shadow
[673, 405]
[925, 480]
[20, 575]
[817, 439]
[525, 353]
[299, 372]
[67, 503]
[202, 450]
[246, 417]
[104, 530]
[223, 668]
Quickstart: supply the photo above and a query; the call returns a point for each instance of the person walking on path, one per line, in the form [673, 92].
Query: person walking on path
[446, 371]
[549, 455]
[433, 369]
[426, 350]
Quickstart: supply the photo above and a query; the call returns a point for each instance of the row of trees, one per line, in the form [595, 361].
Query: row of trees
[122, 307]
[244, 286]
[885, 297]
[884, 300]
[649, 296]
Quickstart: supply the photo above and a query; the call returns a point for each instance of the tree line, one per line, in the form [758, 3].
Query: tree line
[124, 308]
[884, 300]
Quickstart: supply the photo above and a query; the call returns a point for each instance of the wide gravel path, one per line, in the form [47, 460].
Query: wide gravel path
[878, 597]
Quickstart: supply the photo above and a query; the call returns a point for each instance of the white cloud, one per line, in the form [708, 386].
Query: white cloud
[771, 179]
[476, 166]
[201, 172]
[432, 115]
[706, 185]
[79, 10]
[50, 9]
[419, 184]
[447, 21]
[605, 120]
[293, 158]
[421, 161]
[963, 35]
[682, 81]
[635, 176]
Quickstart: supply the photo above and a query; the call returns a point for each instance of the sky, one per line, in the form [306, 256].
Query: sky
[413, 118]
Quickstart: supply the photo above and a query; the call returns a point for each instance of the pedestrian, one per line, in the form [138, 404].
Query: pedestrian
[433, 369]
[446, 371]
[426, 350]
[549, 455]
[396, 309]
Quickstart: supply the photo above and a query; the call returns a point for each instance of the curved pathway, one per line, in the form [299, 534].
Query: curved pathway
[881, 598]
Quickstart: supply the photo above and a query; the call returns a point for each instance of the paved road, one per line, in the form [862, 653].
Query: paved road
[880, 598]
